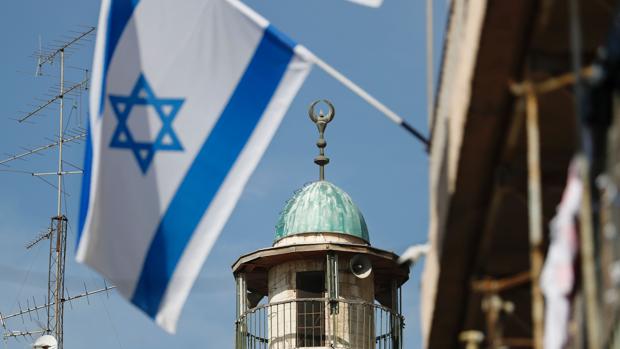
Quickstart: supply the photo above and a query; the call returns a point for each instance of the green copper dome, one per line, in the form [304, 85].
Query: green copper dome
[321, 207]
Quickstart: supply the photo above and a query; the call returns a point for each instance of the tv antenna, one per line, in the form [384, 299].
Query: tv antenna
[57, 294]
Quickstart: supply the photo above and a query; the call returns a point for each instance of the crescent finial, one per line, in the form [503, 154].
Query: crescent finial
[321, 120]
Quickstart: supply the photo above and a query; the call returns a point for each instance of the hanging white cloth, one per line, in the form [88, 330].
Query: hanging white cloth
[558, 275]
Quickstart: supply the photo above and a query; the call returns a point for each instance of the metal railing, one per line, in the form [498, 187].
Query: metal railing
[319, 323]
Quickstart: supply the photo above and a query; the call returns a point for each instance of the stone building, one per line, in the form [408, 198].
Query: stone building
[479, 271]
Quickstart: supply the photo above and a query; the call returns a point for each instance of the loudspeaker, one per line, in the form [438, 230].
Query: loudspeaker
[360, 266]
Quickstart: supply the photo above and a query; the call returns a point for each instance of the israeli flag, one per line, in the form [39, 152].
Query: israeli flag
[186, 96]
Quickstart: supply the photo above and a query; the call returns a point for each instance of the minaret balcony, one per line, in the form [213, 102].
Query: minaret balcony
[319, 323]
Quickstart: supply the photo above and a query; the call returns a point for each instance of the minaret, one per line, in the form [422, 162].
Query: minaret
[321, 284]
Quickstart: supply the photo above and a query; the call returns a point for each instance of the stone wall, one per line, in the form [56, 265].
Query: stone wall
[350, 326]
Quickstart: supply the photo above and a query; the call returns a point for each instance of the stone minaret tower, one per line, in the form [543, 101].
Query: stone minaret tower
[321, 284]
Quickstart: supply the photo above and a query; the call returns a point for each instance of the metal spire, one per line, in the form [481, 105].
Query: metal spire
[321, 120]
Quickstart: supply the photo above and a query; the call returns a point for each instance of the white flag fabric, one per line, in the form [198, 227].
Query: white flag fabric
[558, 275]
[185, 98]
[370, 3]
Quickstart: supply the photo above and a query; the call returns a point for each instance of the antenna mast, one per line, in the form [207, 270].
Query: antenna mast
[57, 232]
[58, 228]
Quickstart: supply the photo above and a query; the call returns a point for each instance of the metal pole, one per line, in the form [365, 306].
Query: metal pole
[60, 132]
[535, 215]
[57, 295]
[375, 103]
[60, 228]
[50, 275]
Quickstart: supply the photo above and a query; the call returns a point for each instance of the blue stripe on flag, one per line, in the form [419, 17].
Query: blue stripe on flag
[119, 14]
[210, 167]
[86, 177]
[118, 17]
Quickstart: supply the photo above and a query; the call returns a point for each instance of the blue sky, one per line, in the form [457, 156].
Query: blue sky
[383, 168]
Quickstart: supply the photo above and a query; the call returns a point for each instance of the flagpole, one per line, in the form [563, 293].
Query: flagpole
[355, 88]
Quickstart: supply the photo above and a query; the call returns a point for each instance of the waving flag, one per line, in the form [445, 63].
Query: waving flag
[370, 3]
[186, 96]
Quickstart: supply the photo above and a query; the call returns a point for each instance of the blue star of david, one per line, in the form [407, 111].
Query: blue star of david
[166, 108]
